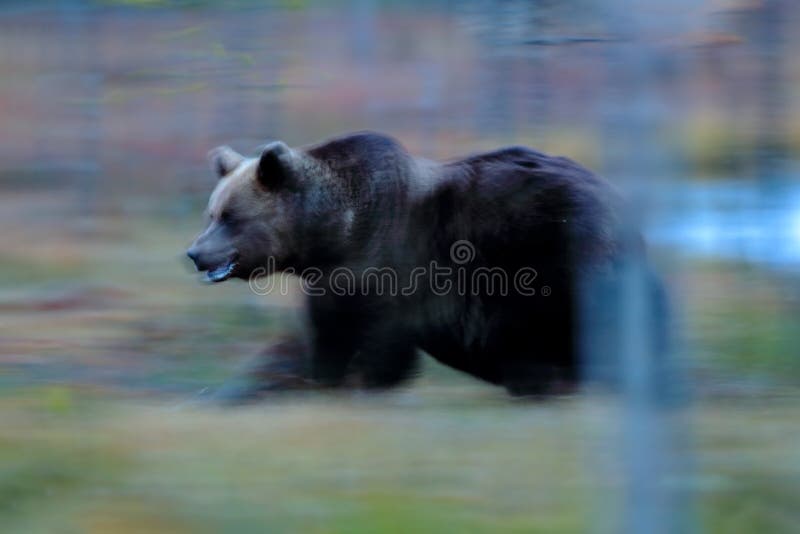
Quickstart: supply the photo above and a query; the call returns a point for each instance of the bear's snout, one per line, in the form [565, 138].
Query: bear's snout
[202, 259]
[212, 249]
[193, 254]
[218, 266]
[205, 259]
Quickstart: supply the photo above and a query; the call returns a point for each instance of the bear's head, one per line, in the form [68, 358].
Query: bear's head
[251, 214]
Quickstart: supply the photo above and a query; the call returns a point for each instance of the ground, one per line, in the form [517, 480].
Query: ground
[105, 339]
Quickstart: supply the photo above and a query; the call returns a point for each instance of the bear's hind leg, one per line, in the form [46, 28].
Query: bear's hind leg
[527, 379]
[539, 361]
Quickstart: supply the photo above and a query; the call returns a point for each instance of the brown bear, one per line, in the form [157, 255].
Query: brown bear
[477, 261]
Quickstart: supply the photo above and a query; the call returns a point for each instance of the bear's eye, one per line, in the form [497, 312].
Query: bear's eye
[226, 217]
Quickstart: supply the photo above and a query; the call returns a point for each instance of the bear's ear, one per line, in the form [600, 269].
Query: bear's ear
[275, 166]
[223, 160]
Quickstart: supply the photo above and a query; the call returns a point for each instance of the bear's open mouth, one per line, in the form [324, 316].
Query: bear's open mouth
[221, 273]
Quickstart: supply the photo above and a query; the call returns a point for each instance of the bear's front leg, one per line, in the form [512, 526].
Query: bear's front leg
[283, 366]
[318, 358]
[388, 356]
[336, 332]
[359, 341]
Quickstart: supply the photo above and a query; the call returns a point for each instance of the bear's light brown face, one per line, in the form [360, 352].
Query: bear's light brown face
[250, 214]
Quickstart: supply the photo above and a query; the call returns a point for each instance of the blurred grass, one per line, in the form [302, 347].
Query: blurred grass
[427, 460]
[742, 323]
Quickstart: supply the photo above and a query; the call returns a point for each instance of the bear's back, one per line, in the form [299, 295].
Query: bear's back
[516, 205]
[519, 207]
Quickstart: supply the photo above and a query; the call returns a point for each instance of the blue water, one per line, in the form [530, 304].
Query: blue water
[740, 220]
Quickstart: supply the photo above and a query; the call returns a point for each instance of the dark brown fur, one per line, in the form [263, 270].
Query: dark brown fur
[361, 202]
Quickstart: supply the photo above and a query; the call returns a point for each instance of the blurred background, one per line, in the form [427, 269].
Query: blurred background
[107, 109]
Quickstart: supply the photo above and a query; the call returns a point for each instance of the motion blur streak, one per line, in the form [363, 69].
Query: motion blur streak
[108, 108]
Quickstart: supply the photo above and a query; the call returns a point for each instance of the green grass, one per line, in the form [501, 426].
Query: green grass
[428, 459]
[741, 323]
